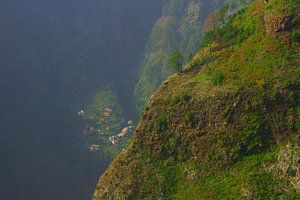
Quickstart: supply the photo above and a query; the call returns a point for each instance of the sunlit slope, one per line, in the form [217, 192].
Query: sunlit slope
[228, 126]
[179, 27]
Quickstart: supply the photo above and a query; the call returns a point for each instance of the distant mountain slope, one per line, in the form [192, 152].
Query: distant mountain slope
[228, 126]
[180, 27]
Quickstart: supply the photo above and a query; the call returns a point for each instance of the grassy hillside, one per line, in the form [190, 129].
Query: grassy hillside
[179, 27]
[228, 126]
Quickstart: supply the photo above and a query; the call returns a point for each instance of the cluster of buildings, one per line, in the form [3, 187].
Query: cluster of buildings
[81, 112]
[125, 131]
[107, 112]
[114, 139]
[94, 148]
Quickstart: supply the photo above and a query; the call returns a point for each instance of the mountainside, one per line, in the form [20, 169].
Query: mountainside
[228, 126]
[180, 27]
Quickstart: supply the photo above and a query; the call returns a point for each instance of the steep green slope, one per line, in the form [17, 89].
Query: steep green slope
[180, 27]
[228, 126]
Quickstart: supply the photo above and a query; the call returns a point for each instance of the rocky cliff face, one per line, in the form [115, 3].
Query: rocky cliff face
[227, 127]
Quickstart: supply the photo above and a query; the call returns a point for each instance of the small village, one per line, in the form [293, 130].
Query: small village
[104, 130]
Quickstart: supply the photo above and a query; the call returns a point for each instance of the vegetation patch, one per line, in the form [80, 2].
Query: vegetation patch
[218, 79]
[296, 37]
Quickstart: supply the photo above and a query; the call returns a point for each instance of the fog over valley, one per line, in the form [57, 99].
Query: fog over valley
[54, 56]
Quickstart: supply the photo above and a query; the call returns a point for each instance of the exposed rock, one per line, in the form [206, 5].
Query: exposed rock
[277, 23]
[288, 165]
